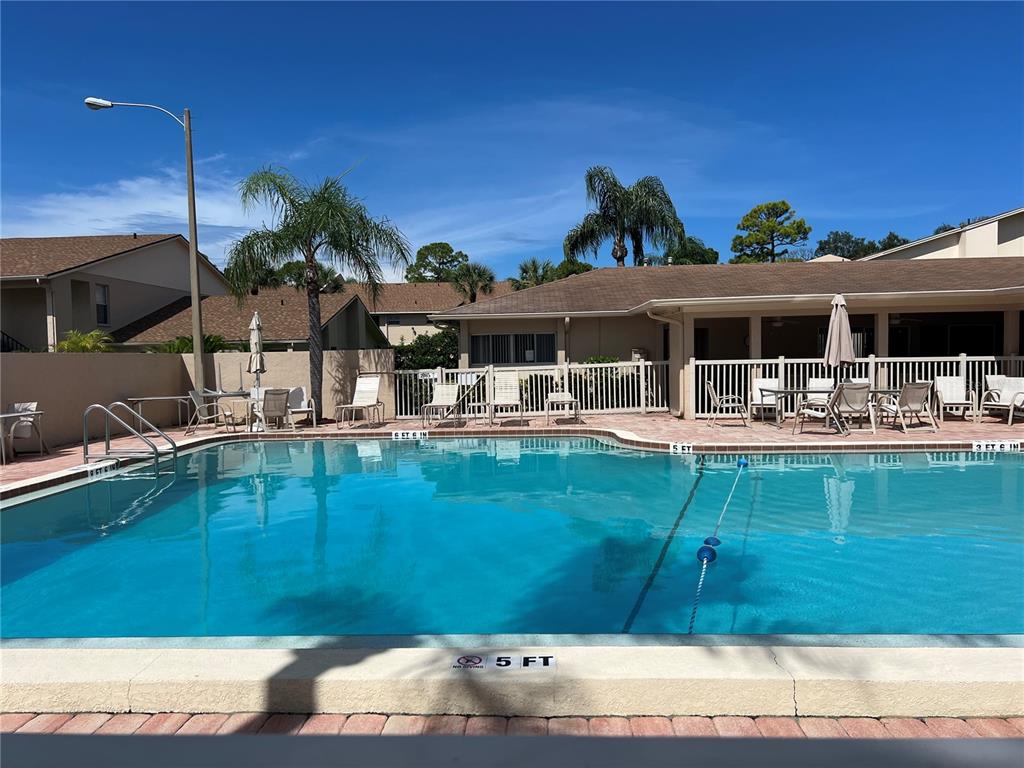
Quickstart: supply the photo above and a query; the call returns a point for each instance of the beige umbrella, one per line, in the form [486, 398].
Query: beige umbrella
[257, 362]
[839, 343]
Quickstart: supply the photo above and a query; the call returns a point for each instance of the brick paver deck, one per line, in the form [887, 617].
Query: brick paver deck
[414, 725]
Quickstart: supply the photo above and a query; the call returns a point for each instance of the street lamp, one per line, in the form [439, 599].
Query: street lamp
[193, 249]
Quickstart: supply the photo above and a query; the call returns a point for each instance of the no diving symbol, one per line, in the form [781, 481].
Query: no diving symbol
[470, 661]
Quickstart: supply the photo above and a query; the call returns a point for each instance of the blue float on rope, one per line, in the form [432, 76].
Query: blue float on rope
[712, 541]
[741, 462]
[707, 553]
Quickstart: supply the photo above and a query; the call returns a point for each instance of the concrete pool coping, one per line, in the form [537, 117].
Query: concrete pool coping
[62, 479]
[778, 679]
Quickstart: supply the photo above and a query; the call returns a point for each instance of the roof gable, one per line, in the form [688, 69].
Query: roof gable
[46, 256]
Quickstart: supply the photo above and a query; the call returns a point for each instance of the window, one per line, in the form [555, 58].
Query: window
[102, 304]
[512, 348]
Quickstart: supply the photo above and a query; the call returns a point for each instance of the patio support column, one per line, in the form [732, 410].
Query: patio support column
[51, 320]
[464, 344]
[685, 382]
[882, 334]
[1011, 332]
[561, 338]
[754, 337]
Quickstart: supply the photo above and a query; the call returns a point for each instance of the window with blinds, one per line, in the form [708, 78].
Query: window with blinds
[512, 349]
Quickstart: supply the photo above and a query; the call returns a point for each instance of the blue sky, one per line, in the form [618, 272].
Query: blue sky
[475, 123]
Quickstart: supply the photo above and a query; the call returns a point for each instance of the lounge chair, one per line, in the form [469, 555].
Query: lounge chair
[366, 398]
[912, 401]
[300, 403]
[22, 426]
[855, 401]
[208, 413]
[763, 401]
[272, 410]
[507, 394]
[724, 405]
[951, 394]
[820, 409]
[1003, 394]
[825, 385]
[443, 403]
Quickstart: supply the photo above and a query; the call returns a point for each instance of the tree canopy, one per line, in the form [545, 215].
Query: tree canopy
[640, 213]
[768, 231]
[435, 263]
[689, 250]
[533, 272]
[846, 245]
[429, 350]
[472, 279]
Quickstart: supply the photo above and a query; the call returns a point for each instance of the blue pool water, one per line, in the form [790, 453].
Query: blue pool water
[519, 536]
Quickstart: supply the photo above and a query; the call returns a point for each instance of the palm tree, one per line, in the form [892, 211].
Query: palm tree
[641, 211]
[312, 222]
[471, 279]
[533, 272]
[77, 341]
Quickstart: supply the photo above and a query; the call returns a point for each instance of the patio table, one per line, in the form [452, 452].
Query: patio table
[43, 447]
[136, 403]
[784, 393]
[561, 398]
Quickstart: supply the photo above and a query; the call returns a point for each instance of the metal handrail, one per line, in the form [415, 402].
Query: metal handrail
[109, 414]
[147, 423]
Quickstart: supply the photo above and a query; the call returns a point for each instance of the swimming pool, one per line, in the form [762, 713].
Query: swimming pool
[519, 536]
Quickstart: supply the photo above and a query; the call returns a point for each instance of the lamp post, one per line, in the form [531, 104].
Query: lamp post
[193, 249]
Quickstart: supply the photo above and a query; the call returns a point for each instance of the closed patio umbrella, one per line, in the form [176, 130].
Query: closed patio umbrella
[257, 362]
[839, 342]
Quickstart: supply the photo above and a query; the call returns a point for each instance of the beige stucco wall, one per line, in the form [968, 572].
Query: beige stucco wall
[164, 265]
[1003, 237]
[23, 315]
[64, 385]
[614, 337]
[226, 370]
[410, 326]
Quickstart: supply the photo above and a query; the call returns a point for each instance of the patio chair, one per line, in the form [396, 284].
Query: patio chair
[827, 385]
[951, 394]
[763, 401]
[208, 413]
[912, 401]
[444, 402]
[507, 394]
[300, 403]
[855, 401]
[1003, 394]
[724, 405]
[819, 409]
[273, 410]
[22, 426]
[366, 398]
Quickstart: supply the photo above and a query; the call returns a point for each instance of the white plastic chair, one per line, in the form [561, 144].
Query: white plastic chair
[22, 427]
[366, 398]
[951, 394]
[444, 402]
[507, 394]
[763, 401]
[299, 403]
[1003, 393]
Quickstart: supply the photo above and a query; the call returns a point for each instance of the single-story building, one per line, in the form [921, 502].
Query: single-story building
[402, 310]
[345, 321]
[898, 308]
[51, 285]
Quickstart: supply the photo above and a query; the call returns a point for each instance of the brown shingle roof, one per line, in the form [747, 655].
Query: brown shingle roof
[42, 256]
[283, 313]
[615, 290]
[420, 297]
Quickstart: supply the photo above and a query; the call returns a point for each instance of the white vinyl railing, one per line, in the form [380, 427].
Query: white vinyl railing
[734, 377]
[634, 387]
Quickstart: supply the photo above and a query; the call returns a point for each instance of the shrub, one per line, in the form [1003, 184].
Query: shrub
[433, 350]
[93, 341]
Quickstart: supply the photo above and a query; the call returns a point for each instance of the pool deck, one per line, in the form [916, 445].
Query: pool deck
[651, 431]
[715, 690]
[372, 724]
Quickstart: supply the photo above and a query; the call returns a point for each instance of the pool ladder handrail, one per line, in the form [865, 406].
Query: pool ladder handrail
[456, 409]
[108, 453]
